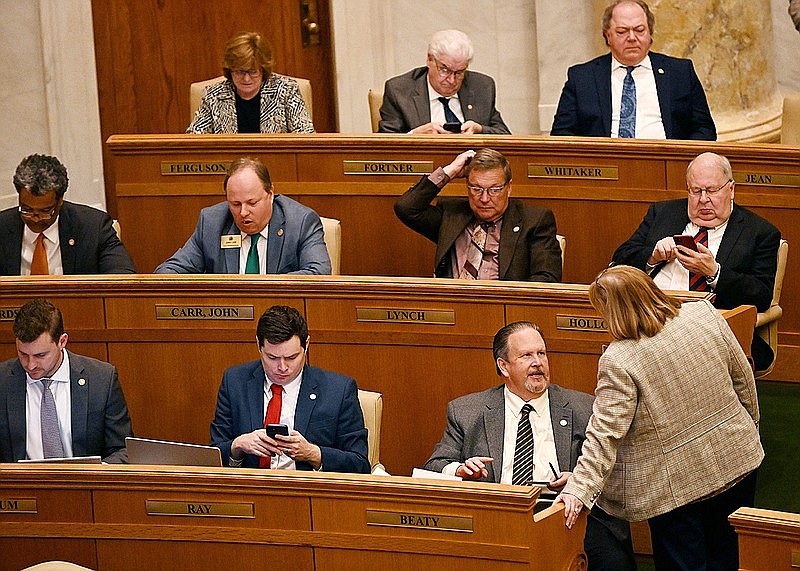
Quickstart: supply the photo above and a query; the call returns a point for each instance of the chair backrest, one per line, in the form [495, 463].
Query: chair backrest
[783, 254]
[372, 407]
[562, 241]
[333, 242]
[197, 89]
[115, 225]
[375, 97]
[790, 127]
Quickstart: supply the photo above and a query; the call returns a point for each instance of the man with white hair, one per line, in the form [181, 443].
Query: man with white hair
[443, 96]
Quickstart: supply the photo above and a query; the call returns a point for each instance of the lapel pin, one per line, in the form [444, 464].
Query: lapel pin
[280, 231]
[562, 422]
[312, 396]
[81, 382]
[661, 71]
[516, 228]
[469, 106]
[72, 241]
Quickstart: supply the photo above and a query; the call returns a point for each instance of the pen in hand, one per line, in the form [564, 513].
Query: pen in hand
[553, 469]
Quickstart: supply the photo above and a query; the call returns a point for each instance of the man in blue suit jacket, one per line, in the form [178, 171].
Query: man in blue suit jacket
[254, 231]
[591, 99]
[320, 408]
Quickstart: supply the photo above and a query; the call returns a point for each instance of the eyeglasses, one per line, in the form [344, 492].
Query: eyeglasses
[492, 191]
[445, 71]
[709, 191]
[39, 214]
[241, 73]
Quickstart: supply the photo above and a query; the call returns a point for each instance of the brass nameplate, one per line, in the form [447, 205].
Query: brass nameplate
[211, 312]
[592, 172]
[403, 315]
[420, 521]
[8, 313]
[580, 323]
[194, 167]
[766, 179]
[201, 509]
[795, 558]
[392, 168]
[17, 506]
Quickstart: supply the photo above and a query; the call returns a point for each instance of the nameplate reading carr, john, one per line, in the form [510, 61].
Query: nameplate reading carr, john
[432, 522]
[406, 315]
[210, 312]
[389, 168]
[591, 172]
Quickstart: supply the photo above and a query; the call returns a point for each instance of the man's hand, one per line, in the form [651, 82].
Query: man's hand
[456, 168]
[471, 128]
[558, 484]
[664, 251]
[296, 447]
[429, 129]
[474, 468]
[700, 262]
[256, 443]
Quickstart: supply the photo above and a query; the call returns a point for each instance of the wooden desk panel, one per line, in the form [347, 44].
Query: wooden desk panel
[768, 540]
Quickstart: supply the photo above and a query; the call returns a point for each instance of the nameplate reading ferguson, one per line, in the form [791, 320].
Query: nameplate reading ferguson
[402, 315]
[8, 313]
[209, 312]
[766, 179]
[201, 509]
[389, 168]
[193, 167]
[420, 521]
[580, 323]
[592, 172]
[17, 506]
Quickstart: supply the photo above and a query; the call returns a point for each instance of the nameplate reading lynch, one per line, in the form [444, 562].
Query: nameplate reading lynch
[388, 168]
[406, 315]
[206, 312]
[432, 522]
[591, 172]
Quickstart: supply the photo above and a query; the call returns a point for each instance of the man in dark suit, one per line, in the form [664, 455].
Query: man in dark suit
[254, 232]
[48, 235]
[488, 436]
[321, 409]
[486, 235]
[444, 96]
[666, 97]
[89, 415]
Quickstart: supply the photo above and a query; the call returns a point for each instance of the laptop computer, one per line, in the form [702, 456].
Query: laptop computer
[70, 460]
[165, 453]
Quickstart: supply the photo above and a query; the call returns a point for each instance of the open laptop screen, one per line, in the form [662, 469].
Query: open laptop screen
[165, 453]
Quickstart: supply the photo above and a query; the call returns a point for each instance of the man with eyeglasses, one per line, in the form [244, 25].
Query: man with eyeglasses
[486, 235]
[47, 235]
[444, 96]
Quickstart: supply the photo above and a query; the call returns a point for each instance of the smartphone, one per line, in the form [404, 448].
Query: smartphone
[685, 241]
[452, 127]
[274, 429]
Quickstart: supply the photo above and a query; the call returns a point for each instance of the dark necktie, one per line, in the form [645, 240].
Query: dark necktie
[522, 473]
[449, 116]
[273, 415]
[627, 111]
[252, 256]
[51, 433]
[477, 246]
[697, 282]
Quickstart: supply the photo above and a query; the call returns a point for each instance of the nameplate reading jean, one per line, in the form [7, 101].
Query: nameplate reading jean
[210, 312]
[766, 179]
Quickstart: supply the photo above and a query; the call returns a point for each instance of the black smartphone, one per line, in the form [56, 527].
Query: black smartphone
[452, 127]
[274, 429]
[685, 241]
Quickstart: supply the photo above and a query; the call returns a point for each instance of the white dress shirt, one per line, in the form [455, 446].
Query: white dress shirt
[52, 245]
[291, 391]
[261, 246]
[544, 445]
[673, 275]
[437, 109]
[60, 388]
[648, 112]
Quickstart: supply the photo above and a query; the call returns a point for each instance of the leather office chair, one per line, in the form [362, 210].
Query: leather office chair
[375, 98]
[372, 407]
[333, 242]
[56, 566]
[767, 321]
[562, 241]
[790, 128]
[197, 89]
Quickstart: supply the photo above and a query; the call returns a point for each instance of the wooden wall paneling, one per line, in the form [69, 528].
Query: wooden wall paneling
[22, 552]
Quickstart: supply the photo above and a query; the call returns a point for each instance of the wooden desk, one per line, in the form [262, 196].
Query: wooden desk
[768, 540]
[121, 517]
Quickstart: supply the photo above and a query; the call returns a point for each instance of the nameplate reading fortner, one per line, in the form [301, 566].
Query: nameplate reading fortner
[211, 312]
[580, 323]
[431, 522]
[391, 168]
[194, 167]
[201, 509]
[8, 313]
[592, 172]
[17, 506]
[405, 315]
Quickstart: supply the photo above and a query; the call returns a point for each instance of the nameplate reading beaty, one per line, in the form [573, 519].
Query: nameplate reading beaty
[17, 506]
[243, 510]
[430, 522]
[592, 172]
[212, 312]
[403, 315]
[193, 167]
[766, 179]
[8, 313]
[389, 168]
[580, 323]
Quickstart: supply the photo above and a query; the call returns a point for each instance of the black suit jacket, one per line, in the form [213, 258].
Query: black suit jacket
[406, 104]
[100, 421]
[89, 243]
[748, 252]
[528, 246]
[585, 105]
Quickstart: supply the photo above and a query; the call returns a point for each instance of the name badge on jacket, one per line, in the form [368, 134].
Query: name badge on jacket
[230, 241]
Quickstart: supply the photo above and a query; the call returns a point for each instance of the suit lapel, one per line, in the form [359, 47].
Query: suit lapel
[661, 73]
[561, 419]
[421, 100]
[494, 419]
[509, 237]
[306, 400]
[255, 397]
[277, 234]
[79, 395]
[732, 232]
[466, 98]
[68, 239]
[602, 80]
[11, 246]
[454, 221]
[15, 411]
[231, 255]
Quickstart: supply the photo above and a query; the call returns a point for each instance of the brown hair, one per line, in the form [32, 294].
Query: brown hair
[247, 50]
[488, 160]
[249, 163]
[36, 317]
[651, 19]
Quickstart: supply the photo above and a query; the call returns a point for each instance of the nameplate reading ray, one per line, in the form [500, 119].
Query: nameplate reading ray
[244, 510]
[194, 167]
[580, 323]
[18, 506]
[766, 179]
[8, 313]
[206, 312]
[388, 168]
[591, 172]
[405, 315]
[431, 522]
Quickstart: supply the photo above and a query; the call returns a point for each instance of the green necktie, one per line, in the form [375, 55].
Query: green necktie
[252, 256]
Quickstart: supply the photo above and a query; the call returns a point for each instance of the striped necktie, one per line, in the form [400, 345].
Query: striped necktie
[697, 282]
[522, 473]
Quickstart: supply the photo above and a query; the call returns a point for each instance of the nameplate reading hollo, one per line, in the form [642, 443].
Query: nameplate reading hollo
[244, 510]
[766, 179]
[591, 172]
[17, 506]
[388, 168]
[194, 167]
[8, 313]
[210, 312]
[580, 323]
[404, 315]
[432, 522]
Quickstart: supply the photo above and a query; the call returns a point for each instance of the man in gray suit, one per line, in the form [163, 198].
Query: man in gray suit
[254, 232]
[488, 436]
[444, 96]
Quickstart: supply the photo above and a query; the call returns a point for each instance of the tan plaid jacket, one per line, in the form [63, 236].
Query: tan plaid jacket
[675, 419]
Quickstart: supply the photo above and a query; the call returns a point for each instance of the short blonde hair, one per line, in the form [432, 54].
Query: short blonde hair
[630, 302]
[247, 50]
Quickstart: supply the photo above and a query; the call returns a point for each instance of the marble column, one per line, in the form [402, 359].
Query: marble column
[730, 43]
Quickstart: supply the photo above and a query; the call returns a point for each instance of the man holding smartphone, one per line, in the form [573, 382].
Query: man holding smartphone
[280, 413]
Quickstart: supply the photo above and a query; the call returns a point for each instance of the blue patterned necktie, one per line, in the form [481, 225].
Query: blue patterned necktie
[449, 116]
[627, 111]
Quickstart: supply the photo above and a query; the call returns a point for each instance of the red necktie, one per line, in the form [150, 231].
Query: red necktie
[697, 282]
[273, 415]
[39, 261]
